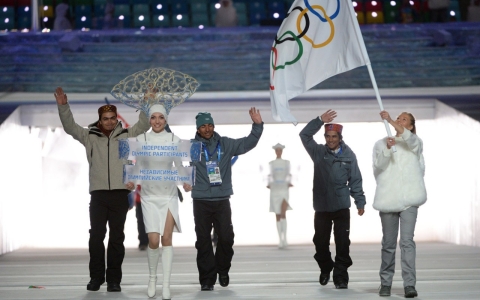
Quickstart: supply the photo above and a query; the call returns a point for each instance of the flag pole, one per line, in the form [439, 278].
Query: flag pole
[379, 100]
[369, 66]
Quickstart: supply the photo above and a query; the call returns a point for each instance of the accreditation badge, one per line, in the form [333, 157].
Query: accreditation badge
[213, 171]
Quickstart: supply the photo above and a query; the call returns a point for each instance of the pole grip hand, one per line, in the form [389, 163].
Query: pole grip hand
[394, 148]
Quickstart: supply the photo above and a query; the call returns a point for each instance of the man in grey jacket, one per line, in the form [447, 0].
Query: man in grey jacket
[211, 196]
[336, 178]
[109, 197]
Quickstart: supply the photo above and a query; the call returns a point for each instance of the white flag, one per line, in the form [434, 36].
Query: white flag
[317, 40]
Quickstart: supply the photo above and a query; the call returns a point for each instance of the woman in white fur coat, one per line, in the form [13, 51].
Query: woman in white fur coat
[400, 191]
[159, 205]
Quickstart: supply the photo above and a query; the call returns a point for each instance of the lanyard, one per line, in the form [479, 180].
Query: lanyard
[208, 154]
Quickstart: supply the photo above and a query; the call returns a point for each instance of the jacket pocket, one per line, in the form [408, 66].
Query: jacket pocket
[342, 172]
[226, 187]
[201, 187]
[342, 192]
[343, 196]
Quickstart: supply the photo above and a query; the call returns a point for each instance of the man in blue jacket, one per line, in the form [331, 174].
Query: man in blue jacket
[211, 196]
[336, 178]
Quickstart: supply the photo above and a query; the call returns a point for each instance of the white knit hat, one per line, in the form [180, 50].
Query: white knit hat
[158, 108]
[278, 146]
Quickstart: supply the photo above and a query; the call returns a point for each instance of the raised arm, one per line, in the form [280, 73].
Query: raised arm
[414, 143]
[255, 115]
[245, 144]
[140, 127]
[60, 96]
[306, 135]
[328, 116]
[66, 117]
[386, 116]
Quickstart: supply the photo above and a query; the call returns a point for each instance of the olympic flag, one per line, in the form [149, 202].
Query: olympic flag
[317, 40]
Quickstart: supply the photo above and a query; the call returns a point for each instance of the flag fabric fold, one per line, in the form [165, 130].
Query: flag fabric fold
[317, 40]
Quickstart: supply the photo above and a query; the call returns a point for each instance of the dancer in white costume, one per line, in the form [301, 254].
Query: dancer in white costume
[159, 206]
[279, 183]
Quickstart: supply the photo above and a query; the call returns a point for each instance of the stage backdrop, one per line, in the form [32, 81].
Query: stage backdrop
[45, 198]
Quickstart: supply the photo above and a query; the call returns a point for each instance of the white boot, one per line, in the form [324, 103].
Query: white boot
[279, 229]
[167, 259]
[284, 232]
[153, 257]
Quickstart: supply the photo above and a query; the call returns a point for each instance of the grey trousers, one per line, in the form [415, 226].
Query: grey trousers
[390, 221]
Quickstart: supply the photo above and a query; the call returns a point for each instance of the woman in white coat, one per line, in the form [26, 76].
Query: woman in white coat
[279, 183]
[159, 205]
[400, 191]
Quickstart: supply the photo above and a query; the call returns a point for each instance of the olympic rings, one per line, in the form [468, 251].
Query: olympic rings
[332, 27]
[302, 33]
[299, 55]
[307, 25]
[335, 14]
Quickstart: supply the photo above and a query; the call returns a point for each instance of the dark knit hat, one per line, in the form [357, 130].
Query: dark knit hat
[204, 118]
[106, 108]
